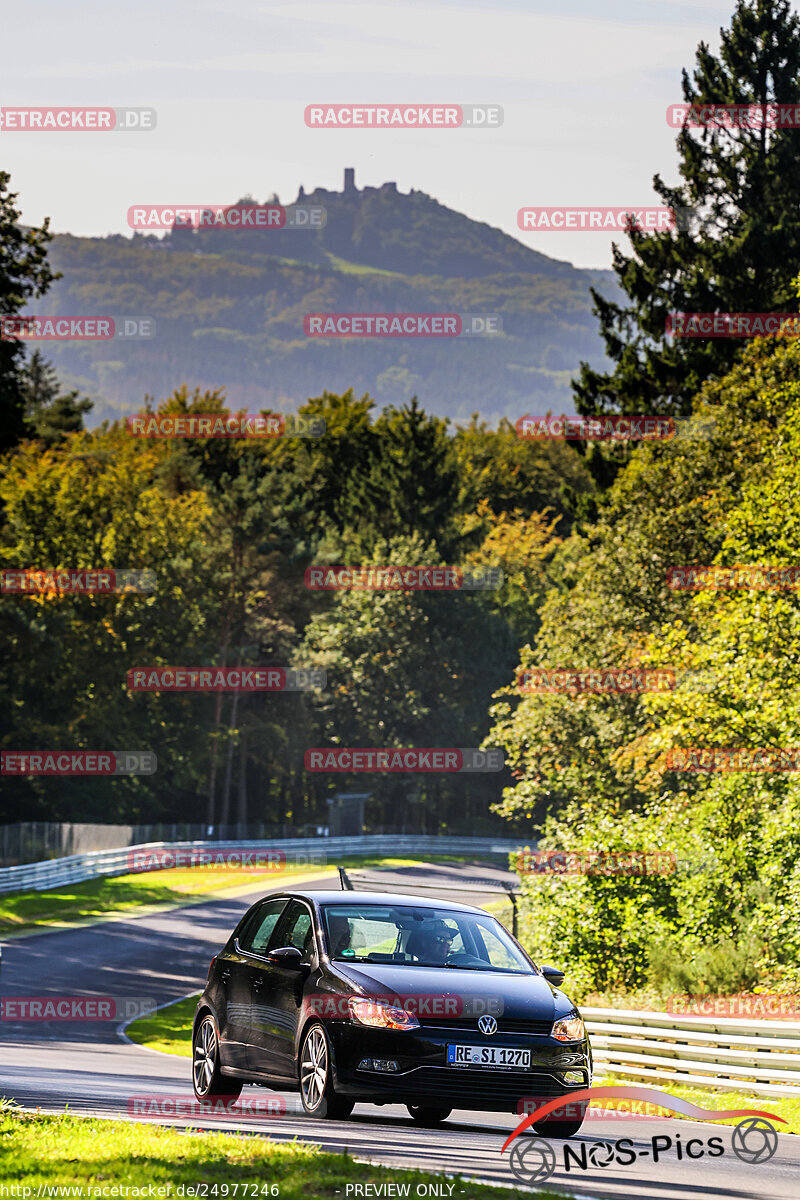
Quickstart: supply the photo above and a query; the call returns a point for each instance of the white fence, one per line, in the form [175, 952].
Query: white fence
[759, 1058]
[38, 877]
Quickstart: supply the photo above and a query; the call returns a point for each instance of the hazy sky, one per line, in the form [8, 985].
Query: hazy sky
[584, 88]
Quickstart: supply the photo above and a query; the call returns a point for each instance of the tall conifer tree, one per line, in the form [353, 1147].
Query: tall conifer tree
[743, 252]
[24, 275]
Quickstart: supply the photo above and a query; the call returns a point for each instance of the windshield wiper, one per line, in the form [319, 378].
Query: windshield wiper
[488, 967]
[464, 967]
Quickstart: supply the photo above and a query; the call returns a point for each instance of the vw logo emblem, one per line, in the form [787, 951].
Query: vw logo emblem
[487, 1025]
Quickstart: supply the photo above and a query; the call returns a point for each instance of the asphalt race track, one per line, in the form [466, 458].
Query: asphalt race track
[92, 1068]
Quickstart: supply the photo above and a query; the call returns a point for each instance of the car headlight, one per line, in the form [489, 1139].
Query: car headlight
[568, 1029]
[381, 1016]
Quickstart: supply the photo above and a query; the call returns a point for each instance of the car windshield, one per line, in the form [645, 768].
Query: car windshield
[429, 937]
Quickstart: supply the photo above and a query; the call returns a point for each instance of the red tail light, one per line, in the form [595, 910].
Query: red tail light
[210, 965]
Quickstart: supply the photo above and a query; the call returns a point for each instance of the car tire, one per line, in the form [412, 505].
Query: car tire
[558, 1129]
[428, 1115]
[314, 1069]
[207, 1079]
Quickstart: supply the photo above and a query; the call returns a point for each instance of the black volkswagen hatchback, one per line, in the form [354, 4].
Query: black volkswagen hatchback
[387, 999]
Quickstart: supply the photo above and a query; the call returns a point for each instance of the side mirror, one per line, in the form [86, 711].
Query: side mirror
[553, 975]
[286, 956]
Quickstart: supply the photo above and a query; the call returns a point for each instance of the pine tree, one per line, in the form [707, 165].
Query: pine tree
[742, 258]
[24, 275]
[49, 412]
[412, 485]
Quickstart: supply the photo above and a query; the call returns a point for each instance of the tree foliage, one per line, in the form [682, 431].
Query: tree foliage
[592, 768]
[742, 251]
[24, 275]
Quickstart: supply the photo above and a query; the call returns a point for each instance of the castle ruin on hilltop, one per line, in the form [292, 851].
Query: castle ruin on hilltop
[349, 188]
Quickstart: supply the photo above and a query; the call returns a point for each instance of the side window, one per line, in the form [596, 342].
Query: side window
[259, 929]
[295, 929]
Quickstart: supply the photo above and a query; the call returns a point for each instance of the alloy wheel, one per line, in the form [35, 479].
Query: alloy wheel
[314, 1068]
[205, 1057]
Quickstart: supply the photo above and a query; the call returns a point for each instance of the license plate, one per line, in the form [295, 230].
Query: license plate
[503, 1057]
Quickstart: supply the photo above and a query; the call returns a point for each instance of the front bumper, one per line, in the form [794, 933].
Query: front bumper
[423, 1075]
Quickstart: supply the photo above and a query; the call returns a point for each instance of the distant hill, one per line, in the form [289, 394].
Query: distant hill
[229, 306]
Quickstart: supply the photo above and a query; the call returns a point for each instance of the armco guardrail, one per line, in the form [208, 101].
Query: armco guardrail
[38, 877]
[759, 1058]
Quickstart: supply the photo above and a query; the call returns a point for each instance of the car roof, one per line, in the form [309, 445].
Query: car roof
[382, 898]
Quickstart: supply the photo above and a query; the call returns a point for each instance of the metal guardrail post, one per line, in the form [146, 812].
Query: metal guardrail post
[345, 882]
[512, 895]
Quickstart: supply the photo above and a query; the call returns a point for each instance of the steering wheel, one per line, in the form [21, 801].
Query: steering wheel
[462, 959]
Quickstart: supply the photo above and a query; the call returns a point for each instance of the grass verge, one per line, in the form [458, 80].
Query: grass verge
[86, 1153]
[25, 912]
[169, 1029]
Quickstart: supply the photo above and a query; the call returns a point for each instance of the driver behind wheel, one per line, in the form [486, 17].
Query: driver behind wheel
[339, 935]
[432, 942]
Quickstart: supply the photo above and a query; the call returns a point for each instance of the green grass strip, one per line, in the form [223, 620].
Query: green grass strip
[90, 1156]
[25, 912]
[169, 1029]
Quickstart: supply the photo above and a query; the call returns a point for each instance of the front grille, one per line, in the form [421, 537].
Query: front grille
[470, 1025]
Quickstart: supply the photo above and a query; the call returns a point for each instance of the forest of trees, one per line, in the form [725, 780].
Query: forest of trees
[585, 536]
[229, 527]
